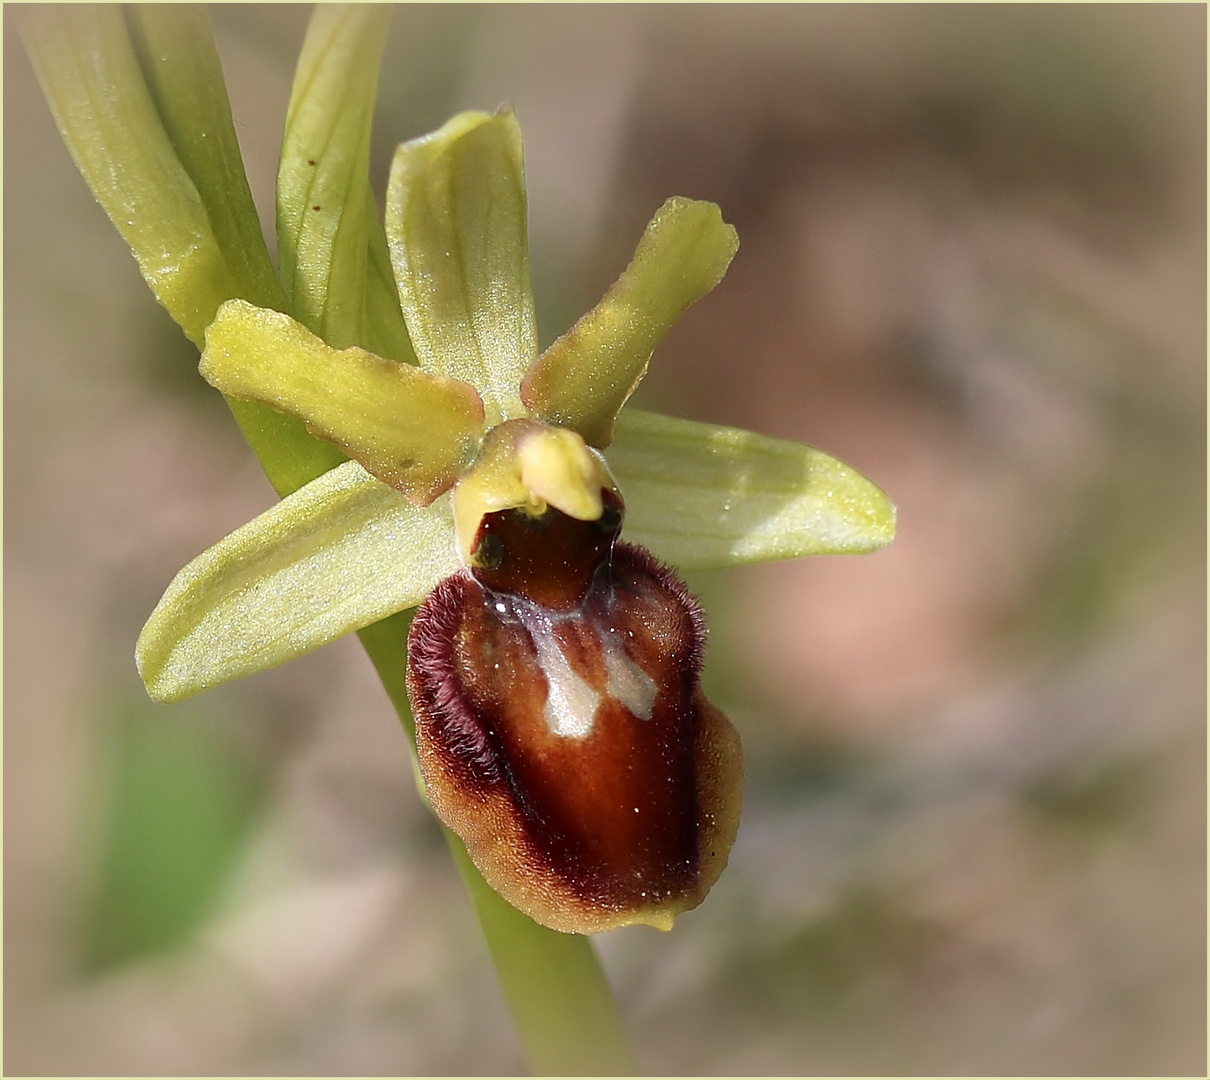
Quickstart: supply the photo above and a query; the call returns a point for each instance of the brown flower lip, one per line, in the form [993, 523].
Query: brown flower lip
[561, 729]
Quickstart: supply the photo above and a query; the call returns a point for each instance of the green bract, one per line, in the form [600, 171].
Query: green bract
[346, 550]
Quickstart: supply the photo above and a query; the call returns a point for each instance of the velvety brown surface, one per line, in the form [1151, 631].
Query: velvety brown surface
[613, 818]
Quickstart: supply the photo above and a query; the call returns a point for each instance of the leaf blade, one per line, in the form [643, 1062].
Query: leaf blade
[327, 221]
[110, 123]
[175, 46]
[384, 331]
[95, 88]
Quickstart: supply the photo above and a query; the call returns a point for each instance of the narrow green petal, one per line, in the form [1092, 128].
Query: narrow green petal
[339, 554]
[702, 496]
[325, 216]
[175, 45]
[457, 229]
[410, 428]
[95, 88]
[585, 377]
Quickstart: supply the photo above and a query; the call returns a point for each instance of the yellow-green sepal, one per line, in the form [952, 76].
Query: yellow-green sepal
[585, 377]
[456, 227]
[339, 554]
[410, 428]
[701, 496]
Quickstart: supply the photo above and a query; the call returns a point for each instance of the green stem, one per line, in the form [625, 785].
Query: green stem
[560, 999]
[561, 1002]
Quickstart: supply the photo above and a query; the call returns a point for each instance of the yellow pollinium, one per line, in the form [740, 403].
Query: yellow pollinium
[528, 465]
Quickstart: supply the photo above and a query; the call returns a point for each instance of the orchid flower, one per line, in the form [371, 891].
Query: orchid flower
[431, 455]
[510, 472]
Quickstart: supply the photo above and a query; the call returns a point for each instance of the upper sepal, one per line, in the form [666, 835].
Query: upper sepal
[456, 225]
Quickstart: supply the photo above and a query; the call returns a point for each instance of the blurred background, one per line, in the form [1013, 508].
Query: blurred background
[972, 264]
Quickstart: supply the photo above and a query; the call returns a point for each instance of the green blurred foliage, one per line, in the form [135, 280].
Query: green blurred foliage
[181, 799]
[1111, 800]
